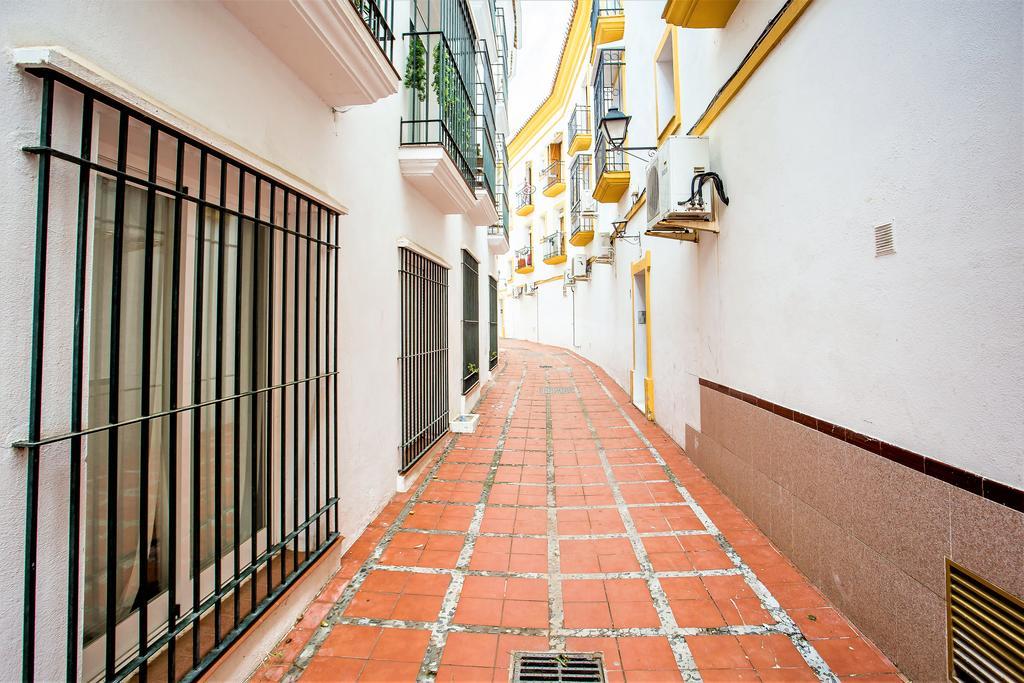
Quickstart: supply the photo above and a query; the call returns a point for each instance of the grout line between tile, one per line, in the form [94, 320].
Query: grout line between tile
[680, 649]
[443, 626]
[785, 623]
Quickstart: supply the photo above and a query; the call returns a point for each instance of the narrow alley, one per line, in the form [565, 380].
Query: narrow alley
[567, 523]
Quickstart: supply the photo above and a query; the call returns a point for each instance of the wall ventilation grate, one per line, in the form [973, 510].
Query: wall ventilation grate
[557, 667]
[985, 626]
[884, 244]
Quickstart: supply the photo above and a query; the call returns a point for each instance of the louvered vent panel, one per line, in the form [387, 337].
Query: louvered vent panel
[884, 242]
[557, 667]
[986, 629]
[653, 189]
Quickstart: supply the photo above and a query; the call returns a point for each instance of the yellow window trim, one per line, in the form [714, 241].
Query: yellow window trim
[676, 120]
[643, 266]
[773, 34]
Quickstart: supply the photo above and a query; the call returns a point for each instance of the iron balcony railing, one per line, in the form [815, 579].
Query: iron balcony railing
[611, 67]
[554, 245]
[195, 478]
[486, 154]
[498, 231]
[603, 8]
[440, 108]
[524, 197]
[581, 215]
[581, 221]
[501, 39]
[524, 258]
[552, 174]
[579, 181]
[470, 322]
[379, 17]
[502, 204]
[606, 159]
[579, 122]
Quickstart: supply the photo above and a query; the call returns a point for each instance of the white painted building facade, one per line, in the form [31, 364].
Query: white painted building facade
[825, 119]
[309, 99]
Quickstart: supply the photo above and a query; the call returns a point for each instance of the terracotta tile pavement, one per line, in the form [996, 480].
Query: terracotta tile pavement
[567, 522]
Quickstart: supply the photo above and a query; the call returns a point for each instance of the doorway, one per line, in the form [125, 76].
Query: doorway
[642, 372]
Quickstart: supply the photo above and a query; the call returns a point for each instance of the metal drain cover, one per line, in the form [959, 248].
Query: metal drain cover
[558, 390]
[545, 667]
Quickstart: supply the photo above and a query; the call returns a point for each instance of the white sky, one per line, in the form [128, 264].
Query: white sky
[540, 43]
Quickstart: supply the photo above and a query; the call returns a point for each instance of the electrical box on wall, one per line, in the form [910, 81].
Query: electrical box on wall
[671, 201]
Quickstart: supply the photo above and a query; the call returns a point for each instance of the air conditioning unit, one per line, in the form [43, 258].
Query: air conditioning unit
[669, 180]
[603, 249]
[517, 292]
[531, 289]
[578, 268]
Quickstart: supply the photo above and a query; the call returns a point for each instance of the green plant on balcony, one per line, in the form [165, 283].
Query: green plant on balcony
[446, 86]
[416, 69]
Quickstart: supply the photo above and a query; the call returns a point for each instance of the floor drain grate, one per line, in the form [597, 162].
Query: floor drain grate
[558, 390]
[556, 667]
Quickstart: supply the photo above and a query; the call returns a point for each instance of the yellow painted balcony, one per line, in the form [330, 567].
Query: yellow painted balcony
[579, 130]
[524, 201]
[607, 21]
[554, 180]
[582, 228]
[699, 13]
[612, 173]
[554, 249]
[524, 261]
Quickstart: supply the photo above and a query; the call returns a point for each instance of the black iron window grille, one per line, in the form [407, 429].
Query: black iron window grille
[470, 321]
[181, 408]
[603, 8]
[424, 360]
[553, 174]
[554, 245]
[379, 17]
[440, 82]
[493, 320]
[486, 155]
[579, 122]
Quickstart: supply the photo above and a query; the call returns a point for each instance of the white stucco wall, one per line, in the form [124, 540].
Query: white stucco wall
[196, 59]
[867, 112]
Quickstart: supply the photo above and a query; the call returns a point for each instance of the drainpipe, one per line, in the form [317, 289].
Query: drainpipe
[573, 290]
[536, 311]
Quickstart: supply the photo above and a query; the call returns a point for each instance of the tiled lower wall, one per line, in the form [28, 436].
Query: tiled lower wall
[873, 535]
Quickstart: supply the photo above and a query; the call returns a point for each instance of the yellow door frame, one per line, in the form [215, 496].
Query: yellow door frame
[637, 267]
